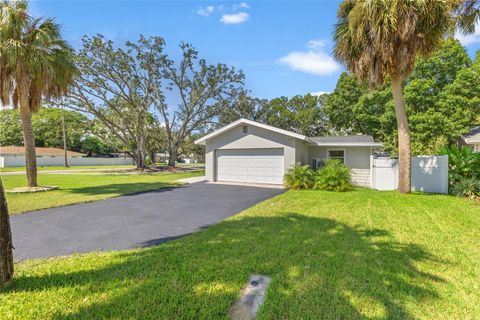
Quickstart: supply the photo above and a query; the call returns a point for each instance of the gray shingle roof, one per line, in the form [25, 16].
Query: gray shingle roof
[343, 139]
[473, 134]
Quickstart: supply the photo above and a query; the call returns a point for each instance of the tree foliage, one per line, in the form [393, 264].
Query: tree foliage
[117, 86]
[94, 146]
[35, 64]
[380, 40]
[203, 90]
[125, 88]
[10, 128]
[339, 104]
[242, 106]
[441, 97]
[300, 114]
[47, 128]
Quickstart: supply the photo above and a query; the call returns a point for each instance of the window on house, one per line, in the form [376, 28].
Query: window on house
[245, 129]
[337, 154]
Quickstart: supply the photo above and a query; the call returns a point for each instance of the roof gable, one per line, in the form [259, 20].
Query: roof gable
[242, 121]
[354, 140]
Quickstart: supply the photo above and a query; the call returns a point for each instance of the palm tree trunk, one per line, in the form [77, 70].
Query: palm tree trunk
[6, 248]
[404, 181]
[28, 141]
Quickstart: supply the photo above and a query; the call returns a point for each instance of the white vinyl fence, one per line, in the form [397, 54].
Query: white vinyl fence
[429, 173]
[19, 161]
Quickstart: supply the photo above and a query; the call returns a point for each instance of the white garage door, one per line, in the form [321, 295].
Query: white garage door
[250, 165]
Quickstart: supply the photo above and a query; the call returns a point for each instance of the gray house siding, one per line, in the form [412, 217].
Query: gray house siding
[301, 152]
[255, 138]
[247, 151]
[355, 157]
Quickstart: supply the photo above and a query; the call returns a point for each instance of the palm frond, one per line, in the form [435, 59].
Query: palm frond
[32, 50]
[380, 38]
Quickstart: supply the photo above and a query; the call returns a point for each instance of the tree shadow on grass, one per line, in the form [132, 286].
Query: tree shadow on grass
[321, 269]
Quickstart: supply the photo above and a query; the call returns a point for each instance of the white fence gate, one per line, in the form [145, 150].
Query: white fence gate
[429, 173]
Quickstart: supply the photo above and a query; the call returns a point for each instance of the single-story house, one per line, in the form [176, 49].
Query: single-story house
[471, 139]
[246, 151]
[14, 151]
[14, 156]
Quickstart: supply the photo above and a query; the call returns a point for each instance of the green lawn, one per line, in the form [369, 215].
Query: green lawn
[75, 188]
[43, 168]
[358, 255]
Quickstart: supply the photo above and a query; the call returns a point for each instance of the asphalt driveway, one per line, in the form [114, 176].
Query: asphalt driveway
[130, 221]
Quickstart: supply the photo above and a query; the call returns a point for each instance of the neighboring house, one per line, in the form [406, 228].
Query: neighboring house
[192, 158]
[12, 156]
[12, 151]
[472, 139]
[251, 152]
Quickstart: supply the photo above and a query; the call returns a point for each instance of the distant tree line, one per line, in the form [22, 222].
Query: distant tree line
[82, 134]
[442, 99]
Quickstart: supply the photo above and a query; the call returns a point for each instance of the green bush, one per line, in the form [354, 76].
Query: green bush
[467, 187]
[334, 176]
[299, 177]
[463, 164]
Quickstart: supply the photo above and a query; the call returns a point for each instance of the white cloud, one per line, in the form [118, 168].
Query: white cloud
[242, 5]
[314, 60]
[206, 11]
[235, 18]
[469, 39]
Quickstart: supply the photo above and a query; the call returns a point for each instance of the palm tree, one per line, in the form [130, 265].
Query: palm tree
[35, 64]
[468, 15]
[380, 39]
[6, 253]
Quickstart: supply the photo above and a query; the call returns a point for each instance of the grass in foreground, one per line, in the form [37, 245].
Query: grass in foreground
[358, 255]
[76, 188]
[47, 168]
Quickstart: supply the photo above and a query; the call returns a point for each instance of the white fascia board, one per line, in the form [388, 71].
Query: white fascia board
[348, 144]
[204, 139]
[472, 141]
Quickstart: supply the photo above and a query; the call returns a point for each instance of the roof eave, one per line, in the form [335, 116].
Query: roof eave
[471, 141]
[348, 144]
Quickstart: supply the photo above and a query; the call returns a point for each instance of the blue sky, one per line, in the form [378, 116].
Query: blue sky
[284, 47]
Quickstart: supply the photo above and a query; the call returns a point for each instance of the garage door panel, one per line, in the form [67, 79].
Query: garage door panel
[250, 165]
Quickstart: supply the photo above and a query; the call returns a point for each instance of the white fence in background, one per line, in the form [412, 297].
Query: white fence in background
[429, 173]
[19, 161]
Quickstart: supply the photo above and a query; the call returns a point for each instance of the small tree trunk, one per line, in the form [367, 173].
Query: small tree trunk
[404, 181]
[28, 139]
[153, 156]
[6, 247]
[172, 156]
[143, 150]
[139, 153]
[64, 129]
